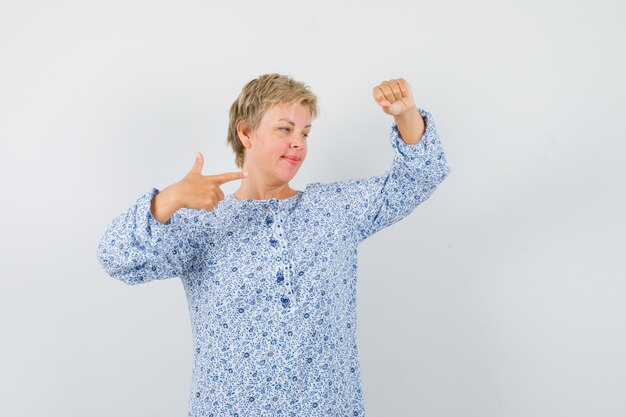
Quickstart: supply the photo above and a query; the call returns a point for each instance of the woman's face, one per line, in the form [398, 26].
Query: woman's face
[277, 148]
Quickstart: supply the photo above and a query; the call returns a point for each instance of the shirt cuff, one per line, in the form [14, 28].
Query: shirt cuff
[419, 149]
[154, 229]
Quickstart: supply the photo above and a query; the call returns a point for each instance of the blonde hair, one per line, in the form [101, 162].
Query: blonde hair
[258, 96]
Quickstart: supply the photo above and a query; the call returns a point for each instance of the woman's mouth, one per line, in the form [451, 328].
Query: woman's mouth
[292, 161]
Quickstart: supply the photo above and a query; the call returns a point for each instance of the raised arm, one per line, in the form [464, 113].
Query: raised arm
[416, 171]
[366, 205]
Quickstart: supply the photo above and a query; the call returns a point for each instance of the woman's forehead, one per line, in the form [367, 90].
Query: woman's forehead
[292, 113]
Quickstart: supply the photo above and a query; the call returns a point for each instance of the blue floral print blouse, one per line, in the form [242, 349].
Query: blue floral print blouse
[271, 284]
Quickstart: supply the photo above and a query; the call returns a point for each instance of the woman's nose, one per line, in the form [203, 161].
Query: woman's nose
[297, 141]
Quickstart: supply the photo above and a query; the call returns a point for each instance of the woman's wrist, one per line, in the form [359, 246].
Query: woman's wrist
[165, 203]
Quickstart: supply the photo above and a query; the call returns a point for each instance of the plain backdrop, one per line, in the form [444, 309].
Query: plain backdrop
[502, 295]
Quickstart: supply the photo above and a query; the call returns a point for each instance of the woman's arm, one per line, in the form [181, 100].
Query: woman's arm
[136, 248]
[368, 205]
[416, 171]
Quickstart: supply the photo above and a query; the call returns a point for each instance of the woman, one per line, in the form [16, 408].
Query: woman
[270, 271]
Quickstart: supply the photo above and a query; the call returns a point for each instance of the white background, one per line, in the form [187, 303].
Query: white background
[501, 295]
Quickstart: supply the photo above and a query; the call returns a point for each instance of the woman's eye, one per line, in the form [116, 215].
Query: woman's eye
[288, 129]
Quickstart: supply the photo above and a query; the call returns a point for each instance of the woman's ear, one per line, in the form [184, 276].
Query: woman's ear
[242, 132]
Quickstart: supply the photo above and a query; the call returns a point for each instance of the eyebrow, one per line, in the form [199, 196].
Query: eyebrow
[292, 123]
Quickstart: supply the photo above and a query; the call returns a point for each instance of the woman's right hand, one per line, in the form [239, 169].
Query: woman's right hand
[203, 192]
[195, 191]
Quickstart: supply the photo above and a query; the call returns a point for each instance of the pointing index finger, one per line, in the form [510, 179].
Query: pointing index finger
[230, 176]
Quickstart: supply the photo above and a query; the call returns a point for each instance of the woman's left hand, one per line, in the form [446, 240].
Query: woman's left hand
[394, 96]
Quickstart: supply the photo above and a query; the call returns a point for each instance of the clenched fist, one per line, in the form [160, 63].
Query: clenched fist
[394, 96]
[194, 191]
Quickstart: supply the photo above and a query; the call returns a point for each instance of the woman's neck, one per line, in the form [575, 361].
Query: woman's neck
[247, 191]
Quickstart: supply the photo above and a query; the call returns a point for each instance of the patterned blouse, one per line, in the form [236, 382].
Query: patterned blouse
[271, 284]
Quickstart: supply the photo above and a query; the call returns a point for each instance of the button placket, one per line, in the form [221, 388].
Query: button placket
[279, 243]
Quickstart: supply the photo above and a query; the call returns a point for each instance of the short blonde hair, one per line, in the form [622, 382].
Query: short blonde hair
[258, 96]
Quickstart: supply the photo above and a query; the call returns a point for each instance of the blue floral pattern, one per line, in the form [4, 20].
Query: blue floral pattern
[271, 284]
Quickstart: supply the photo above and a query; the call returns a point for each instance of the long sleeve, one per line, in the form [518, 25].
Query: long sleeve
[371, 204]
[136, 248]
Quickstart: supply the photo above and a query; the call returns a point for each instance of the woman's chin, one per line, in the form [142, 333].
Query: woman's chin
[287, 176]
